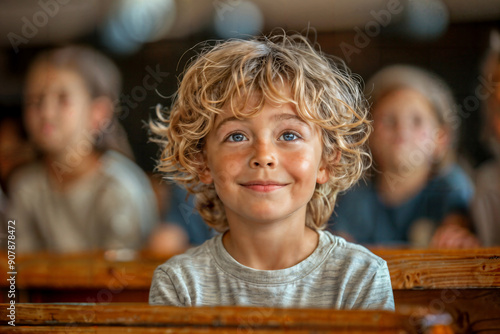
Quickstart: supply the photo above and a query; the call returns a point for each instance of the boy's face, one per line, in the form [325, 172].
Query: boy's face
[265, 168]
[406, 132]
[56, 114]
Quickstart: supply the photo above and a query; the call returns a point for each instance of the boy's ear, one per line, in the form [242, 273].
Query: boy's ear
[204, 172]
[323, 174]
[442, 142]
[101, 113]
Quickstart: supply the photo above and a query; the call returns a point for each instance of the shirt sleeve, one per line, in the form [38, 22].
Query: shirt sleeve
[377, 291]
[163, 291]
[20, 210]
[126, 202]
[449, 193]
[121, 222]
[485, 207]
[124, 216]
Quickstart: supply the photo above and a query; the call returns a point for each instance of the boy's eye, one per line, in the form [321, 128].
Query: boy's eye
[236, 137]
[288, 136]
[33, 102]
[63, 98]
[417, 121]
[388, 121]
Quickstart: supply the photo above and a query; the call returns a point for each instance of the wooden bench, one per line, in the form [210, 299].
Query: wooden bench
[89, 277]
[464, 283]
[143, 318]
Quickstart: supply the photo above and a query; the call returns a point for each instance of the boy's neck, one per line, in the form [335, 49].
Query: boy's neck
[270, 247]
[396, 188]
[64, 174]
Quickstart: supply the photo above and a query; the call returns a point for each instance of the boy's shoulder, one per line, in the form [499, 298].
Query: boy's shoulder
[331, 248]
[332, 253]
[114, 162]
[28, 175]
[452, 178]
[123, 172]
[195, 257]
[451, 183]
[342, 250]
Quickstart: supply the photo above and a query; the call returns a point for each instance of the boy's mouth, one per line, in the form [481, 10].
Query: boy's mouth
[263, 186]
[47, 129]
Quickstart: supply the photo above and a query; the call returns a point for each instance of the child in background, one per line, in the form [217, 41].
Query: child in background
[265, 133]
[486, 203]
[82, 195]
[181, 227]
[15, 151]
[417, 195]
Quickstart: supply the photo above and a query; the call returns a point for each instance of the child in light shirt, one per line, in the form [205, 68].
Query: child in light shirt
[265, 133]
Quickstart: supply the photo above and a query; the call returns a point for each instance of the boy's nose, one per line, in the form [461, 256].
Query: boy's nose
[400, 128]
[256, 163]
[46, 108]
[263, 156]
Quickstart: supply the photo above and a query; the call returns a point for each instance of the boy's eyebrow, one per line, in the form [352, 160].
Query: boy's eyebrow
[225, 120]
[280, 117]
[284, 117]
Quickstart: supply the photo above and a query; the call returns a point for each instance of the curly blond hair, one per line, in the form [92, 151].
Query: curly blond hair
[322, 90]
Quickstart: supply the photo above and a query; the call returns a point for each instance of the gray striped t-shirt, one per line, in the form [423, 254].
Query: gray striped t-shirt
[338, 274]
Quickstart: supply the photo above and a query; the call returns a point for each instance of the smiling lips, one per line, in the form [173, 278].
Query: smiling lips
[47, 129]
[263, 186]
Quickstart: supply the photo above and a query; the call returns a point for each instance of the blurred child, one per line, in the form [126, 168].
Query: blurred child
[181, 226]
[265, 133]
[82, 195]
[486, 203]
[15, 151]
[417, 195]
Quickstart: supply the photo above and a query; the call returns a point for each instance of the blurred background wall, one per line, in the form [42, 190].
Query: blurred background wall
[151, 41]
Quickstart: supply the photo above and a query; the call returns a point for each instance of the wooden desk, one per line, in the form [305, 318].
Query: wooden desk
[88, 278]
[442, 268]
[143, 318]
[464, 283]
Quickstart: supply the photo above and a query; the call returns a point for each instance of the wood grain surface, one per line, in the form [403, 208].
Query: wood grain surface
[464, 283]
[58, 317]
[409, 269]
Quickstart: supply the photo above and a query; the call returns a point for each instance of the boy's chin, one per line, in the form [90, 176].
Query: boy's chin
[53, 152]
[48, 150]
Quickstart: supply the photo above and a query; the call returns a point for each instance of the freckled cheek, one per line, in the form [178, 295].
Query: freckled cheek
[302, 165]
[226, 167]
[426, 135]
[376, 137]
[382, 133]
[378, 127]
[378, 142]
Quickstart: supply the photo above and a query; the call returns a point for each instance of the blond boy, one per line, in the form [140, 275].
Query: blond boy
[265, 133]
